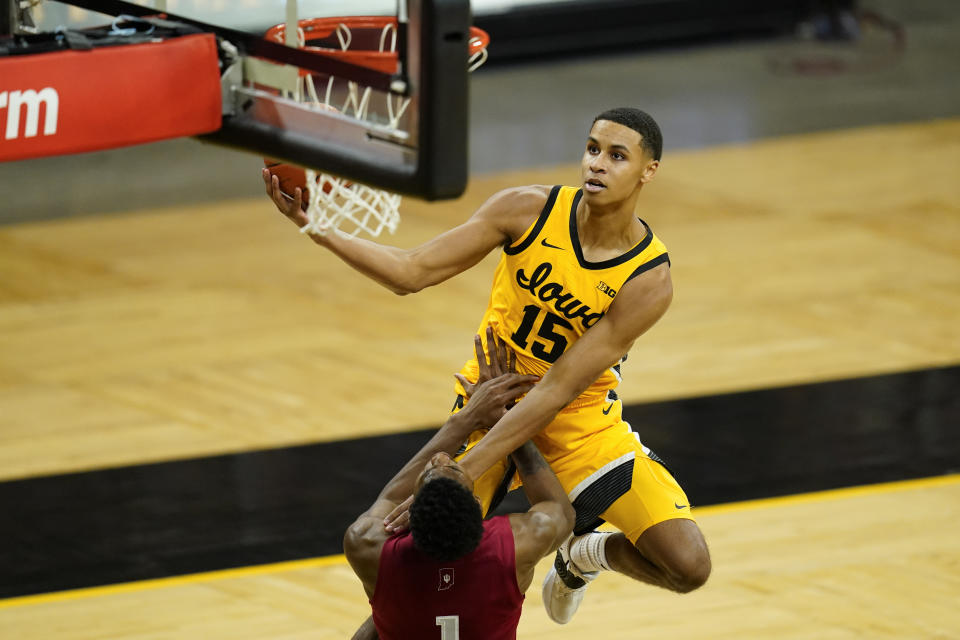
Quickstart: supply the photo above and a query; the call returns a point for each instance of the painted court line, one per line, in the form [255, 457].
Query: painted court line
[832, 494]
[159, 583]
[278, 567]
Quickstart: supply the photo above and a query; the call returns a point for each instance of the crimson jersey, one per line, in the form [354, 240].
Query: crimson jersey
[475, 597]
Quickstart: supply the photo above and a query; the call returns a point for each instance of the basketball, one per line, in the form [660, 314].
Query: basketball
[291, 176]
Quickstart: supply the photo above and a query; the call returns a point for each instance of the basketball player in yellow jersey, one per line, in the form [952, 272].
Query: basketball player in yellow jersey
[580, 279]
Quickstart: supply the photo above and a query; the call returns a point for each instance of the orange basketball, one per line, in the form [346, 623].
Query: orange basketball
[292, 176]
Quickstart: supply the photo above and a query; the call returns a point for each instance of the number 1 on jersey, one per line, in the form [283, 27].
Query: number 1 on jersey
[557, 341]
[449, 627]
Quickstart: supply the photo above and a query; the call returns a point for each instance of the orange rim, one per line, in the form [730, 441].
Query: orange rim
[383, 61]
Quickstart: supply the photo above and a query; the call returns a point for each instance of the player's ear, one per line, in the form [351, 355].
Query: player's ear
[649, 171]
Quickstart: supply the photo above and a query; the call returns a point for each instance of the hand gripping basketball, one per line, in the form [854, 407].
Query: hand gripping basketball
[293, 204]
[291, 176]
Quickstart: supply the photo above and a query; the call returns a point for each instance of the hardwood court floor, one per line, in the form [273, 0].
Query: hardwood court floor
[875, 562]
[168, 334]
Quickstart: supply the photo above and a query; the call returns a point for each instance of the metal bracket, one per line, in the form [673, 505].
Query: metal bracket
[16, 18]
[230, 78]
[271, 74]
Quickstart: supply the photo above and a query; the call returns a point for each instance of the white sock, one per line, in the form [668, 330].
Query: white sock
[589, 552]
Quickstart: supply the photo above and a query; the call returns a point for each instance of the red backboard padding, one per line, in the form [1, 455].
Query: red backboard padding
[74, 101]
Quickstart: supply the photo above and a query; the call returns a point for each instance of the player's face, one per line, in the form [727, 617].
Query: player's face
[442, 465]
[614, 164]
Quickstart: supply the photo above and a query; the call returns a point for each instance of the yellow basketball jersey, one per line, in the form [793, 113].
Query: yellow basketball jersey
[546, 295]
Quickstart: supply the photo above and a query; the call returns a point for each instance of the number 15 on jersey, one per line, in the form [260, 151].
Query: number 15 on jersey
[550, 344]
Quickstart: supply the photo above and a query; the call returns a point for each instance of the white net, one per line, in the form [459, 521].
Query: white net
[349, 207]
[337, 204]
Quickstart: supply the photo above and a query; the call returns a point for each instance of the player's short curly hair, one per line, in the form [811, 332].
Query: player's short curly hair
[641, 122]
[445, 520]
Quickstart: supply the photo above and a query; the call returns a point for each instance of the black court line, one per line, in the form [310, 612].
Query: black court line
[158, 520]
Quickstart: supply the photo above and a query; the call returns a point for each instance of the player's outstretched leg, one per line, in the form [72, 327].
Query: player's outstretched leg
[579, 560]
[671, 554]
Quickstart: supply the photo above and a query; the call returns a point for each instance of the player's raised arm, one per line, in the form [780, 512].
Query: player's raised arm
[501, 219]
[638, 306]
[497, 388]
[364, 538]
[550, 518]
[490, 399]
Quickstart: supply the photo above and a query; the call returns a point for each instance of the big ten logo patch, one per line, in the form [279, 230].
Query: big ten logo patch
[446, 579]
[607, 289]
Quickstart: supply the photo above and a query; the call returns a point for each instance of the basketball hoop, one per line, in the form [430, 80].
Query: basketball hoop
[345, 206]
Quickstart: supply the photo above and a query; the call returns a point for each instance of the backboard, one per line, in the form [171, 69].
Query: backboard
[422, 153]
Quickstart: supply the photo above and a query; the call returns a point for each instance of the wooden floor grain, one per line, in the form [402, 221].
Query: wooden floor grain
[878, 562]
[158, 335]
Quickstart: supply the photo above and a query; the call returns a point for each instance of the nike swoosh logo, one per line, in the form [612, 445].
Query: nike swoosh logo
[552, 246]
[607, 410]
[680, 506]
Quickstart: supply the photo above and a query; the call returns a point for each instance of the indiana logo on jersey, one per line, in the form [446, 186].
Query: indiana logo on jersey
[446, 579]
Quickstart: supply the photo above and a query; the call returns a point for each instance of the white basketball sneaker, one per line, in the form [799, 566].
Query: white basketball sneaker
[565, 585]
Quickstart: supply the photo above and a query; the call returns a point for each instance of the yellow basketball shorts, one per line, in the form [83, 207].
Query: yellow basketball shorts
[609, 475]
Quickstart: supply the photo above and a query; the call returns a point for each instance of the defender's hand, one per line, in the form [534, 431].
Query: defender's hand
[491, 399]
[502, 360]
[398, 519]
